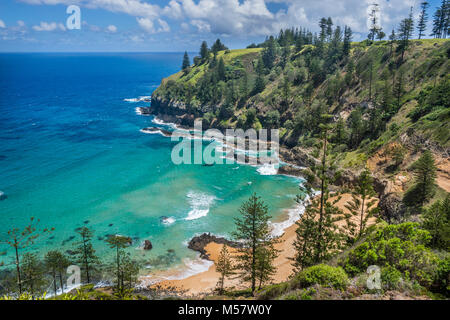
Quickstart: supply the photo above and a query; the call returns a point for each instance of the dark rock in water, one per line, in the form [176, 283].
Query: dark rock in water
[163, 218]
[208, 164]
[67, 240]
[200, 242]
[3, 196]
[110, 225]
[99, 238]
[165, 133]
[52, 237]
[144, 110]
[148, 245]
[77, 229]
[86, 221]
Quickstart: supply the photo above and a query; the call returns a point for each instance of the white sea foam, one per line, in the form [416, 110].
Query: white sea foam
[200, 203]
[160, 122]
[267, 169]
[139, 99]
[152, 132]
[294, 214]
[168, 221]
[192, 267]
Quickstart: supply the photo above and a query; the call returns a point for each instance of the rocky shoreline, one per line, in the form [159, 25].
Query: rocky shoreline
[296, 160]
[199, 243]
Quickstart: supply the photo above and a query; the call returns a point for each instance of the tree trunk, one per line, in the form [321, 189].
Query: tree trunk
[362, 215]
[322, 198]
[19, 279]
[254, 249]
[54, 281]
[61, 282]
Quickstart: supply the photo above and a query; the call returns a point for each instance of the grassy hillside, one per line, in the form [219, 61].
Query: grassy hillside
[389, 103]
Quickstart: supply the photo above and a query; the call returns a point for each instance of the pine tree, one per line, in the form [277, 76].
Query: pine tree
[85, 252]
[381, 35]
[374, 27]
[347, 41]
[186, 62]
[340, 132]
[425, 175]
[436, 220]
[253, 231]
[221, 75]
[119, 243]
[20, 239]
[269, 53]
[56, 263]
[204, 51]
[327, 211]
[423, 19]
[370, 79]
[286, 91]
[323, 29]
[441, 20]
[392, 39]
[32, 274]
[259, 81]
[361, 207]
[224, 266]
[218, 46]
[329, 30]
[399, 89]
[265, 268]
[244, 87]
[405, 32]
[317, 236]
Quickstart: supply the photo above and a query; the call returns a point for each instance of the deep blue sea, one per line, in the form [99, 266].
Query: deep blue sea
[72, 154]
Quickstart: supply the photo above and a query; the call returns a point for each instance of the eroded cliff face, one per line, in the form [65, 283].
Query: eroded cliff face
[171, 111]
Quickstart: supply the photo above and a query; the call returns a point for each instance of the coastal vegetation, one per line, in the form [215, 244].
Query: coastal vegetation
[371, 118]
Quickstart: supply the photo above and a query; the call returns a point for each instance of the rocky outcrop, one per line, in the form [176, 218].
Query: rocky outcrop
[392, 207]
[298, 156]
[165, 133]
[171, 111]
[147, 245]
[416, 142]
[199, 243]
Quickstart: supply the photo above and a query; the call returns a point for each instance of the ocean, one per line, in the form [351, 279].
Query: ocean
[72, 154]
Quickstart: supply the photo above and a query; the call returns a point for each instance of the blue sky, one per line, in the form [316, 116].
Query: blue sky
[178, 25]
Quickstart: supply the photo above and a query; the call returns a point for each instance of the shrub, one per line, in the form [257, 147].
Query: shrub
[324, 275]
[442, 281]
[401, 247]
[273, 291]
[391, 277]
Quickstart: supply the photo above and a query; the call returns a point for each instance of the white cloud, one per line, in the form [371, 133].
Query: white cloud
[149, 26]
[146, 24]
[247, 17]
[111, 28]
[2, 24]
[52, 26]
[20, 23]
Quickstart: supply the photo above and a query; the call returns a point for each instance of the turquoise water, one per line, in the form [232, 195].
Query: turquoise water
[71, 154]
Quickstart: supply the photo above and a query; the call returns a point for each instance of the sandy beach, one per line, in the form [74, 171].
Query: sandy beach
[205, 282]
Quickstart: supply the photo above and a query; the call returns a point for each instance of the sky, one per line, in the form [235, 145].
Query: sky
[178, 25]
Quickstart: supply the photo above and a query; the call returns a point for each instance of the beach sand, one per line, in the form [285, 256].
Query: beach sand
[205, 282]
